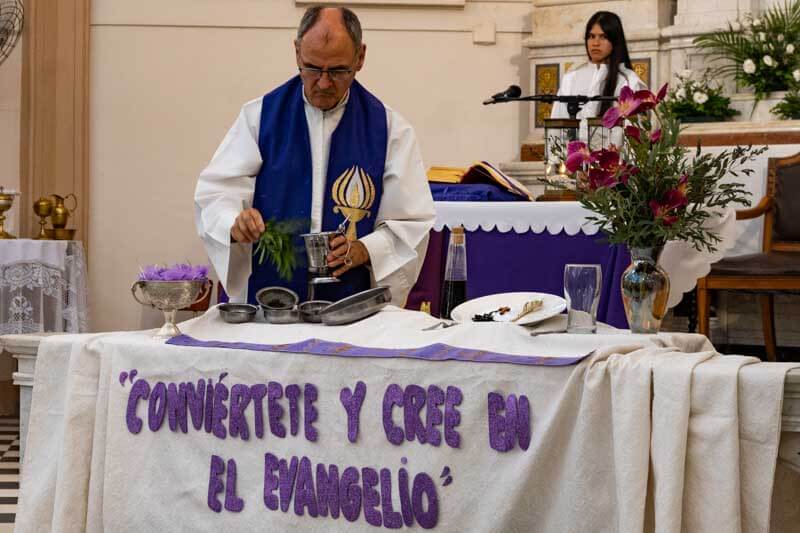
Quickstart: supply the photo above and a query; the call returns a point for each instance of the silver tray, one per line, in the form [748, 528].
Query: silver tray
[356, 307]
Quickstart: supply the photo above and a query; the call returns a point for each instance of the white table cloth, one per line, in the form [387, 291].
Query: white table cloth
[659, 418]
[681, 261]
[42, 286]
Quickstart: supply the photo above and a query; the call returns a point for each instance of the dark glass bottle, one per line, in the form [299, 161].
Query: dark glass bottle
[454, 289]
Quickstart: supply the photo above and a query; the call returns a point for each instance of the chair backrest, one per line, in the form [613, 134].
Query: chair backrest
[782, 222]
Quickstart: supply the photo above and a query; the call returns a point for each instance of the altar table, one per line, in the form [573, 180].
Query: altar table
[478, 427]
[523, 246]
[42, 286]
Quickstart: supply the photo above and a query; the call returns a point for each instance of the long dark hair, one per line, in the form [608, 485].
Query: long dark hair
[612, 27]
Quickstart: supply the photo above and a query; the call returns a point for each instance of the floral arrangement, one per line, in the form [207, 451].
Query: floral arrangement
[761, 53]
[651, 190]
[698, 98]
[177, 272]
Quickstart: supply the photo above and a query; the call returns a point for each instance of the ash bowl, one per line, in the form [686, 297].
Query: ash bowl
[235, 313]
[310, 310]
[277, 298]
[279, 305]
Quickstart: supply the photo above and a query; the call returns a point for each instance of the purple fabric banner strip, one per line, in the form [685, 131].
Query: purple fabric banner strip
[431, 352]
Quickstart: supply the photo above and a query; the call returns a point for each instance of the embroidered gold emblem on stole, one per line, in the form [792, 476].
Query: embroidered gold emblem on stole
[353, 193]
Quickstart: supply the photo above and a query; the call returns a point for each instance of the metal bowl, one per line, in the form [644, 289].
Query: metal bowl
[277, 298]
[237, 313]
[310, 310]
[281, 316]
[356, 307]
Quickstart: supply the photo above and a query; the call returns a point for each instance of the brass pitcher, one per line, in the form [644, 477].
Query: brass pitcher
[61, 213]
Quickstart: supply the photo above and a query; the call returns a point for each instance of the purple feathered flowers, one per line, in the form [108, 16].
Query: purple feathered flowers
[178, 272]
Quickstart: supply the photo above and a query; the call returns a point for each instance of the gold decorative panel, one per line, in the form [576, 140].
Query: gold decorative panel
[642, 69]
[547, 80]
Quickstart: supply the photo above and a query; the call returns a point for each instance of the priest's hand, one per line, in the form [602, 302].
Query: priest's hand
[346, 255]
[248, 226]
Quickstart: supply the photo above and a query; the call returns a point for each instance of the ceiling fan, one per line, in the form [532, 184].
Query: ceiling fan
[11, 15]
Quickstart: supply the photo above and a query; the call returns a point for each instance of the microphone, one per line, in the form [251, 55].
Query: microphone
[514, 91]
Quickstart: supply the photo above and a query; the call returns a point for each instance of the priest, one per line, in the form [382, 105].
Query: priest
[319, 148]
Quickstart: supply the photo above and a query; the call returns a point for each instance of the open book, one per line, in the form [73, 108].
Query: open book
[480, 172]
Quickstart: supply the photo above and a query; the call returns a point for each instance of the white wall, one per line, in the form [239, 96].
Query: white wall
[168, 78]
[10, 93]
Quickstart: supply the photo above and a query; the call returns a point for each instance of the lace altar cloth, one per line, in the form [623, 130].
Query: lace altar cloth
[42, 286]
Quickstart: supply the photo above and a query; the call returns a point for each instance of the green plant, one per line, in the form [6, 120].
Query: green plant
[698, 98]
[789, 107]
[651, 190]
[277, 243]
[760, 53]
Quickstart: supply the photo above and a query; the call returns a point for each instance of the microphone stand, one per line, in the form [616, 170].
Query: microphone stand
[574, 101]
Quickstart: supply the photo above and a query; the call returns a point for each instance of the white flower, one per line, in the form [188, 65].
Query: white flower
[686, 73]
[790, 48]
[700, 97]
[768, 61]
[680, 94]
[735, 26]
[756, 23]
[749, 66]
[796, 75]
[780, 37]
[762, 36]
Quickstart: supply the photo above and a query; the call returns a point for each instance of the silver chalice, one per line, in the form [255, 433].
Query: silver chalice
[169, 296]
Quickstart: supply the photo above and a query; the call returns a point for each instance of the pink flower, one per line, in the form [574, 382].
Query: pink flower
[577, 155]
[650, 100]
[599, 178]
[674, 199]
[629, 105]
[655, 136]
[660, 212]
[633, 133]
[662, 93]
[608, 159]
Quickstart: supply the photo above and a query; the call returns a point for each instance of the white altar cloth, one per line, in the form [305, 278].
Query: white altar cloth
[706, 426]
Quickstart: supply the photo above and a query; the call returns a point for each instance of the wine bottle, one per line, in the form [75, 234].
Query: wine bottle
[454, 288]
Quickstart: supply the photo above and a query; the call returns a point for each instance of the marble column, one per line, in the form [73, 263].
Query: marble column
[23, 348]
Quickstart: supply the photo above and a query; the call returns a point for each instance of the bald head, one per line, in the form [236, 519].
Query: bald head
[330, 22]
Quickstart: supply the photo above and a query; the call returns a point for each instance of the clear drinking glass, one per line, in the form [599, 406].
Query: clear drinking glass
[582, 292]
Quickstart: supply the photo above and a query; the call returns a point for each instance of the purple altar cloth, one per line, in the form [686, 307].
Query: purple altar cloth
[431, 352]
[518, 262]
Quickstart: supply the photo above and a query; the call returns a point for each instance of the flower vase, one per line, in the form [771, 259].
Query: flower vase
[645, 290]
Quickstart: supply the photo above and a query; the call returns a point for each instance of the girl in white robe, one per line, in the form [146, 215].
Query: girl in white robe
[607, 70]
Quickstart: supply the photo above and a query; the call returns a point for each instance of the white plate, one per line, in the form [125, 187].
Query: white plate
[551, 306]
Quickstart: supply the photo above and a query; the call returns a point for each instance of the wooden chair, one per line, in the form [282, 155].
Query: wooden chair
[777, 268]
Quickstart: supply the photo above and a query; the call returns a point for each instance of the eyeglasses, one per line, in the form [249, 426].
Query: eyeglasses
[335, 74]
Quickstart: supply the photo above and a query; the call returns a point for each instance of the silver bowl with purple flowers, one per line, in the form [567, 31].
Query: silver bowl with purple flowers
[169, 289]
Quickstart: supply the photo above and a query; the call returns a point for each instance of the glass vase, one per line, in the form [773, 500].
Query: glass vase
[645, 290]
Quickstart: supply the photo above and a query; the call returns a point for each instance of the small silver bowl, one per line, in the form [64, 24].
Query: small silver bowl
[310, 310]
[277, 298]
[279, 305]
[281, 316]
[233, 313]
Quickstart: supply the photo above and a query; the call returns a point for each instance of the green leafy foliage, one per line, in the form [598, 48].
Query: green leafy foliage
[277, 244]
[789, 107]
